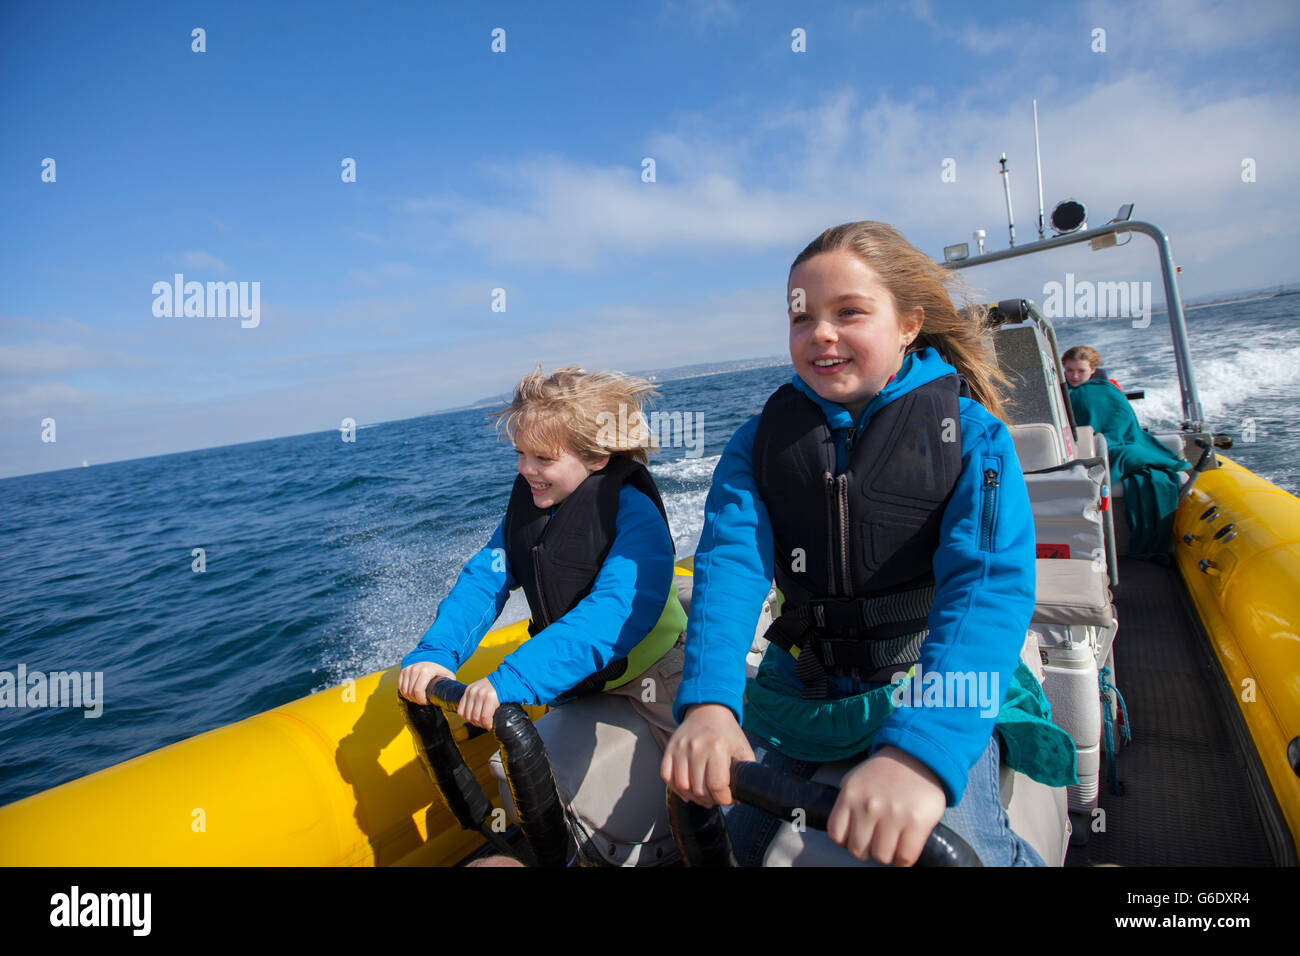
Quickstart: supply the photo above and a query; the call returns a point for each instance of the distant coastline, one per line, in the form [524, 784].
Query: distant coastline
[660, 375]
[655, 375]
[1201, 302]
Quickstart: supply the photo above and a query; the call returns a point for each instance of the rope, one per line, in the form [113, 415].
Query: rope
[1108, 724]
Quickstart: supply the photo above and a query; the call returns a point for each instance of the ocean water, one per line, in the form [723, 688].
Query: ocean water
[1246, 360]
[325, 560]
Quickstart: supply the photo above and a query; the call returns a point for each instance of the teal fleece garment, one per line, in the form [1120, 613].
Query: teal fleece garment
[830, 730]
[1147, 469]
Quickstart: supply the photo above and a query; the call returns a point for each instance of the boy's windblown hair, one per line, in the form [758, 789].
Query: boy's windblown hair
[914, 279]
[589, 413]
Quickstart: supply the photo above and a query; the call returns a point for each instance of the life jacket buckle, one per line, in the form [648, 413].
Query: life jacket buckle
[839, 615]
[843, 654]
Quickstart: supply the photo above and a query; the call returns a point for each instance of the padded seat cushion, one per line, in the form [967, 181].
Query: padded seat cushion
[1084, 447]
[596, 745]
[1072, 592]
[1065, 508]
[1038, 445]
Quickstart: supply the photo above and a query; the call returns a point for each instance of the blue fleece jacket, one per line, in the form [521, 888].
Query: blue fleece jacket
[983, 569]
[623, 606]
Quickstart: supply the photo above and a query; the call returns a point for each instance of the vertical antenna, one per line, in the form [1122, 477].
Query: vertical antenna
[1038, 159]
[1006, 186]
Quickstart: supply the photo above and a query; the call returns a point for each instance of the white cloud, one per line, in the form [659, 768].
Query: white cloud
[1135, 137]
[50, 358]
[43, 399]
[13, 327]
[198, 259]
[732, 184]
[381, 275]
[573, 213]
[969, 34]
[702, 15]
[1197, 26]
[307, 392]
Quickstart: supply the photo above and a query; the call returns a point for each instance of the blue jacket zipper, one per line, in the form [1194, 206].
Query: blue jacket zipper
[989, 509]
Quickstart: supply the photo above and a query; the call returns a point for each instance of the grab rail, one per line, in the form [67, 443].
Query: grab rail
[528, 774]
[701, 832]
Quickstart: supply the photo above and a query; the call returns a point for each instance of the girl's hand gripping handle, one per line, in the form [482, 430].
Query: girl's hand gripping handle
[887, 807]
[697, 760]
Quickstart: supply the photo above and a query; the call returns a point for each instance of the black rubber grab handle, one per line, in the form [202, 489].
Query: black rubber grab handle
[782, 794]
[532, 785]
[528, 772]
[445, 691]
[700, 833]
[703, 840]
[441, 758]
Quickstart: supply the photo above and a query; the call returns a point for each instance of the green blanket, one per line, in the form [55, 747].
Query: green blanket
[1146, 469]
[830, 730]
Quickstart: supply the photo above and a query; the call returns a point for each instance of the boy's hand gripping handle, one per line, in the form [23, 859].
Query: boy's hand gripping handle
[701, 833]
[528, 773]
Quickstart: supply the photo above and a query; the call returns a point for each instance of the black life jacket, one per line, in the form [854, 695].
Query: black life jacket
[854, 551]
[556, 557]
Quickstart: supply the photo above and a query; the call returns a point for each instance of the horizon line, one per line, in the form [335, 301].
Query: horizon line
[487, 403]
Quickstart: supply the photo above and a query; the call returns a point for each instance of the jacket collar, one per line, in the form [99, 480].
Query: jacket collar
[1086, 382]
[919, 368]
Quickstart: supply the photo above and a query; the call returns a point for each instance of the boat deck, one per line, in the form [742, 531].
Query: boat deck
[1187, 798]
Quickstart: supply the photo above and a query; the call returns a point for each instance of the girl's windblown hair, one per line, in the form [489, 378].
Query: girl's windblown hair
[913, 279]
[591, 413]
[1082, 353]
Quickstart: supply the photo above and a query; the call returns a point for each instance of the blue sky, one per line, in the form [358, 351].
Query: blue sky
[522, 170]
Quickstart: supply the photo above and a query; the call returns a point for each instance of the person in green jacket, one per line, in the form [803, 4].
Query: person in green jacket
[1147, 469]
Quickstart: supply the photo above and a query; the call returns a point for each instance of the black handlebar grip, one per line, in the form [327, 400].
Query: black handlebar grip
[528, 772]
[532, 785]
[946, 848]
[700, 833]
[445, 691]
[782, 794]
[441, 758]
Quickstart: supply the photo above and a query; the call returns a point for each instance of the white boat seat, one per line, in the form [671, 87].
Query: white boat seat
[685, 588]
[625, 826]
[1039, 814]
[1072, 592]
[1084, 446]
[1171, 440]
[1038, 445]
[1066, 509]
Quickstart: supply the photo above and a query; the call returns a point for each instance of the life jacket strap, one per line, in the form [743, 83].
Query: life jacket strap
[861, 638]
